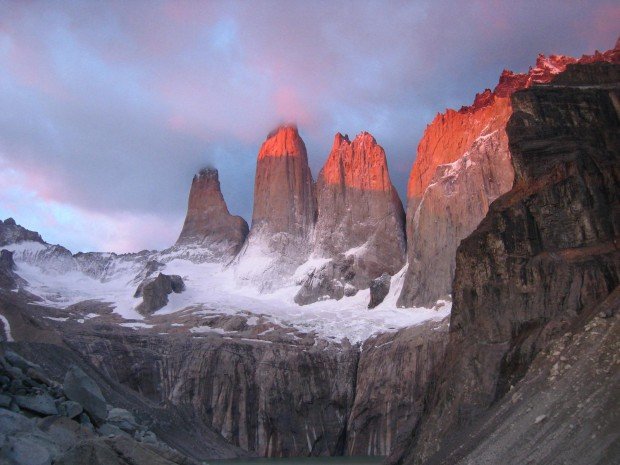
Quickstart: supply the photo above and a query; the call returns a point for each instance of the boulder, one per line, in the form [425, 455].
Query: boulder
[70, 409]
[41, 403]
[123, 419]
[154, 292]
[79, 387]
[379, 289]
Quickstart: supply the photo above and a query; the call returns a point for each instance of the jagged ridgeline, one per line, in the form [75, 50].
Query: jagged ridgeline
[257, 341]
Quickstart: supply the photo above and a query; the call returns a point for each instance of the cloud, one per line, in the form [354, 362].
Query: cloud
[111, 107]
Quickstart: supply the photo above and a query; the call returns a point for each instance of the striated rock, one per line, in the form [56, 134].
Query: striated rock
[394, 375]
[208, 223]
[544, 258]
[359, 215]
[155, 291]
[462, 165]
[379, 289]
[284, 212]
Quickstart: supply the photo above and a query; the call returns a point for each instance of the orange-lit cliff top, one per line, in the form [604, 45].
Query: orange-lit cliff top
[359, 164]
[452, 133]
[283, 141]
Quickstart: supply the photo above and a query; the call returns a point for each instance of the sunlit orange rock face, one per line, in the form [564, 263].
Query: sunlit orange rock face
[283, 190]
[446, 200]
[359, 206]
[284, 212]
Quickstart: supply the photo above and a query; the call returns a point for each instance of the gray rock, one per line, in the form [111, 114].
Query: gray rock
[123, 419]
[26, 450]
[379, 289]
[80, 388]
[70, 409]
[154, 292]
[5, 401]
[41, 403]
[108, 429]
[350, 290]
[18, 361]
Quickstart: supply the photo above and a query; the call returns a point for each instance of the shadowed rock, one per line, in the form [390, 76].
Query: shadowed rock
[462, 165]
[80, 388]
[379, 289]
[543, 262]
[208, 223]
[155, 291]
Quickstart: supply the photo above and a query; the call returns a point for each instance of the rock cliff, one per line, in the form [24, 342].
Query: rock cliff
[542, 263]
[360, 218]
[208, 223]
[284, 211]
[462, 165]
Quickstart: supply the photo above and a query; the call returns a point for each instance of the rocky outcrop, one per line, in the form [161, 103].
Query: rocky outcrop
[284, 212]
[208, 223]
[36, 431]
[394, 375]
[9, 280]
[379, 289]
[155, 291]
[12, 233]
[544, 259]
[360, 217]
[462, 165]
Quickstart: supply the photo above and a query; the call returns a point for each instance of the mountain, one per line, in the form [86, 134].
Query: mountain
[360, 223]
[284, 211]
[208, 223]
[462, 165]
[530, 373]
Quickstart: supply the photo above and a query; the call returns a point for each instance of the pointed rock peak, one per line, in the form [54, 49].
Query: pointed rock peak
[283, 141]
[208, 221]
[360, 164]
[340, 139]
[208, 173]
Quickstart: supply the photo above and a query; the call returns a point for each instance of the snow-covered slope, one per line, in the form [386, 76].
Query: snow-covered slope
[61, 279]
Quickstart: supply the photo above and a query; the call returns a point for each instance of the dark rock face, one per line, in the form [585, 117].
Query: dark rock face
[80, 388]
[284, 212]
[379, 289]
[394, 375]
[544, 257]
[8, 278]
[11, 233]
[155, 291]
[271, 399]
[208, 222]
[462, 165]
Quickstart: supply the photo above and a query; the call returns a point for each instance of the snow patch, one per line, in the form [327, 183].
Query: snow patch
[7, 329]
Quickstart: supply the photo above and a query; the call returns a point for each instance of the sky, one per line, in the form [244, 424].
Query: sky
[110, 107]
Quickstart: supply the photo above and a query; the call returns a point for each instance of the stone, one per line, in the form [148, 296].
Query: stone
[208, 223]
[40, 403]
[155, 291]
[18, 361]
[70, 409]
[379, 289]
[79, 387]
[123, 419]
[5, 401]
